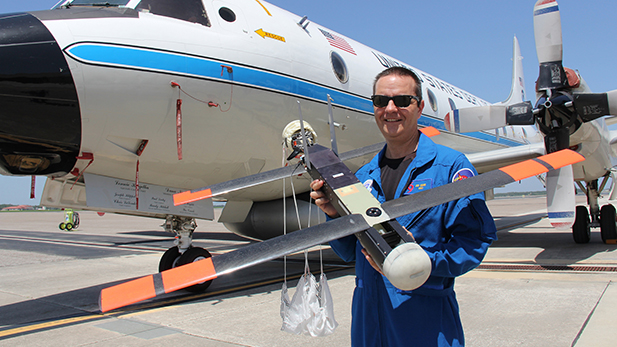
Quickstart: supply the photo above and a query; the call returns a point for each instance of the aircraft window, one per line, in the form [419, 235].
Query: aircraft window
[339, 67]
[188, 10]
[432, 100]
[227, 14]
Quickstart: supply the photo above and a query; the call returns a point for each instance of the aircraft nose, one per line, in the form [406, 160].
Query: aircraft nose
[40, 124]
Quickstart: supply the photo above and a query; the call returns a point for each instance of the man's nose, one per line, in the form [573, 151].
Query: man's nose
[391, 107]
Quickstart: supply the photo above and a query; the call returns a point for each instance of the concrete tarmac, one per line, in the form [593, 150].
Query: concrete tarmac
[536, 287]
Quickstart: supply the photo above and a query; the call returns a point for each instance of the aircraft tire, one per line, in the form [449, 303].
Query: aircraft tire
[191, 255]
[608, 228]
[170, 259]
[69, 226]
[61, 226]
[580, 229]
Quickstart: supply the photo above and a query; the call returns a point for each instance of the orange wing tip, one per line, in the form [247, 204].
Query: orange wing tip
[430, 131]
[188, 196]
[127, 293]
[524, 169]
[533, 167]
[188, 275]
[562, 158]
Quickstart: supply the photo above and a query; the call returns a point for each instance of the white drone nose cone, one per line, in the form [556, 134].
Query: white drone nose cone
[408, 266]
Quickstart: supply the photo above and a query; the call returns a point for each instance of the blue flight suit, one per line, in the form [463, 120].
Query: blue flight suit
[456, 236]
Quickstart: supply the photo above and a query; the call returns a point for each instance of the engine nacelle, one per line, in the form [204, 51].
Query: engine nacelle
[265, 220]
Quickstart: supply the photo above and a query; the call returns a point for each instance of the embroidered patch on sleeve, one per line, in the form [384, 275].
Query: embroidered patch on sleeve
[462, 174]
[419, 185]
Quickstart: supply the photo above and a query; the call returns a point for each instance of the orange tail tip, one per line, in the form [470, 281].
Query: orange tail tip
[430, 131]
[188, 196]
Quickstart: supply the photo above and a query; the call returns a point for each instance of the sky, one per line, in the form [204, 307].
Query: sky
[466, 43]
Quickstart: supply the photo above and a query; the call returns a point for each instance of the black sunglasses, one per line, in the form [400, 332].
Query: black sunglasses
[399, 100]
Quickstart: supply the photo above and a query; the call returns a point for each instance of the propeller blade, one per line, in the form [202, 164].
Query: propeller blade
[489, 117]
[261, 178]
[496, 178]
[236, 184]
[560, 197]
[204, 270]
[594, 105]
[549, 47]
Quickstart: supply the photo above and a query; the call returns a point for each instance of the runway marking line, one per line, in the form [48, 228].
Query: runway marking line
[141, 309]
[50, 324]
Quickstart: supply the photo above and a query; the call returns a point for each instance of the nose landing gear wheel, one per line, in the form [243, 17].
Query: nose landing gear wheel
[608, 229]
[170, 259]
[61, 226]
[191, 255]
[581, 229]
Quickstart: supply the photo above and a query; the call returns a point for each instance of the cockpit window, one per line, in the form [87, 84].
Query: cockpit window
[189, 10]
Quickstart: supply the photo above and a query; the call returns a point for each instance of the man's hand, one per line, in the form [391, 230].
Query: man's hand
[321, 200]
[370, 259]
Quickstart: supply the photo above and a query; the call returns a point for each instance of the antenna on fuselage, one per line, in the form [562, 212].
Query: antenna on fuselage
[303, 23]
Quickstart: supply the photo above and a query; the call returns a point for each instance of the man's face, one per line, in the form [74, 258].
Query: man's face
[397, 123]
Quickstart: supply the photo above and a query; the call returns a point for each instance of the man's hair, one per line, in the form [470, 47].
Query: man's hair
[400, 71]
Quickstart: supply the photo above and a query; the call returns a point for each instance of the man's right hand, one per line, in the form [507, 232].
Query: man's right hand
[321, 200]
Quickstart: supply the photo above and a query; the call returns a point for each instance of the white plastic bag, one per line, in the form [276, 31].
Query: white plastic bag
[311, 310]
[323, 322]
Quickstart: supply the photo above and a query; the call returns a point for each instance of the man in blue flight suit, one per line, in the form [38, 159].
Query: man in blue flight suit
[456, 235]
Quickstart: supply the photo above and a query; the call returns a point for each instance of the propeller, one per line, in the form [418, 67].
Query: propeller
[557, 119]
[563, 105]
[151, 286]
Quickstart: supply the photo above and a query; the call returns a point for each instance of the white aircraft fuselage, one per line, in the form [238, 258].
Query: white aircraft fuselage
[242, 67]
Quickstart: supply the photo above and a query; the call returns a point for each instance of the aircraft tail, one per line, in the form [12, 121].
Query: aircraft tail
[517, 91]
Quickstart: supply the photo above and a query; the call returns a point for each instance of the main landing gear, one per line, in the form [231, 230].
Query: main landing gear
[183, 252]
[605, 218]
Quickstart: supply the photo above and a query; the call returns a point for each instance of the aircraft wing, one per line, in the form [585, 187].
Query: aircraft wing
[210, 268]
[491, 160]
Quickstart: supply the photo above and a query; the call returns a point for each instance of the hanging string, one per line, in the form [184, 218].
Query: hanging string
[179, 127]
[32, 186]
[284, 213]
[140, 150]
[212, 103]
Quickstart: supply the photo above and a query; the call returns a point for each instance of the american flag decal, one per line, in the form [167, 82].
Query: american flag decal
[338, 42]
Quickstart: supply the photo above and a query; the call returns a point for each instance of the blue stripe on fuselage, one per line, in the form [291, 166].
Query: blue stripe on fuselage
[546, 10]
[137, 58]
[161, 61]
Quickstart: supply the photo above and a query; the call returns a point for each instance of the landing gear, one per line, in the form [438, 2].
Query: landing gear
[194, 254]
[581, 228]
[183, 252]
[608, 228]
[605, 218]
[169, 260]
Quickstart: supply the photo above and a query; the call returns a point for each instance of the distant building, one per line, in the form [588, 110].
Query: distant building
[18, 208]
